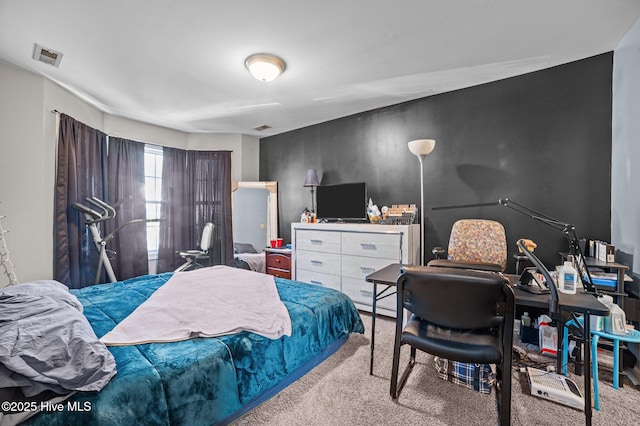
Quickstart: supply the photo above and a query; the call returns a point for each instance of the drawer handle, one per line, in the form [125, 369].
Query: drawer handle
[368, 246]
[316, 282]
[316, 262]
[316, 242]
[277, 260]
[367, 270]
[366, 293]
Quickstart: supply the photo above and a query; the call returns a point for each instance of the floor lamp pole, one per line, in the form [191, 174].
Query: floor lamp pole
[421, 158]
[421, 148]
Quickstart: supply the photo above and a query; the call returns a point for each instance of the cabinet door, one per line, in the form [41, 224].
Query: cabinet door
[322, 241]
[371, 245]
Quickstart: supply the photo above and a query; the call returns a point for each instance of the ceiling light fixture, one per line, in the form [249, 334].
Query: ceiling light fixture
[264, 66]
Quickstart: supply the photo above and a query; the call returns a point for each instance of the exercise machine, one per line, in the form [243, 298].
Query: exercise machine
[95, 212]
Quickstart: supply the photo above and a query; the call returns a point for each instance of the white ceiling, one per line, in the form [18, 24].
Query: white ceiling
[180, 63]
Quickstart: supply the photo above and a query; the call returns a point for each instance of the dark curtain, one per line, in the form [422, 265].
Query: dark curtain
[176, 225]
[125, 191]
[196, 188]
[82, 153]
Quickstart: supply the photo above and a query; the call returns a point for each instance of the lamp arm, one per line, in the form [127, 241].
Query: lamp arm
[567, 229]
[541, 217]
[581, 263]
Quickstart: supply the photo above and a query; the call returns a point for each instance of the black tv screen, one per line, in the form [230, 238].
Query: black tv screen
[347, 201]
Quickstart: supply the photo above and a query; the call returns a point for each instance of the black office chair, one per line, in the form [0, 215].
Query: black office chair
[198, 258]
[458, 314]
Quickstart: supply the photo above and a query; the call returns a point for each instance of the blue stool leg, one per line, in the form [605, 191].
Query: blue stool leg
[594, 374]
[616, 362]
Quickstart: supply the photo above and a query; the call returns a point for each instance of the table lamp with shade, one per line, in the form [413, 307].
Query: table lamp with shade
[311, 181]
[421, 148]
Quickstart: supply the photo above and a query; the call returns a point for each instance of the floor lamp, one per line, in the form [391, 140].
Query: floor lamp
[421, 148]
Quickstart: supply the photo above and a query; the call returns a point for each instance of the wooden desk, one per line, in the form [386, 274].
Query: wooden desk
[581, 303]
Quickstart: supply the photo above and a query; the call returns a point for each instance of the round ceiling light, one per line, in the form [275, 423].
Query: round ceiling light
[265, 67]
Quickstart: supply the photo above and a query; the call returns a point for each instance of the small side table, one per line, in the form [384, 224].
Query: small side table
[632, 337]
[278, 262]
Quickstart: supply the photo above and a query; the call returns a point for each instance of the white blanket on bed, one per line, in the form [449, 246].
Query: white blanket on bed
[206, 302]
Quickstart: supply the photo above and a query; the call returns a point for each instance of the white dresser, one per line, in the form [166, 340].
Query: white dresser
[341, 255]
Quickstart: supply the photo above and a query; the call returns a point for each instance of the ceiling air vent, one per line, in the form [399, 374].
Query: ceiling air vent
[46, 55]
[261, 128]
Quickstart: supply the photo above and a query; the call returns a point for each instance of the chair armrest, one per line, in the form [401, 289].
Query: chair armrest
[439, 252]
[479, 266]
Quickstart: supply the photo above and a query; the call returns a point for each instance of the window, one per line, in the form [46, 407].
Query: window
[153, 193]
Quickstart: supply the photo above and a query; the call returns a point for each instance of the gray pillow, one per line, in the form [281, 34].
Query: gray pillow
[239, 248]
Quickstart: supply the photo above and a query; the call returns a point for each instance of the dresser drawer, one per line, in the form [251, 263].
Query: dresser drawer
[317, 278]
[385, 246]
[326, 263]
[359, 266]
[281, 261]
[361, 292]
[322, 241]
[280, 273]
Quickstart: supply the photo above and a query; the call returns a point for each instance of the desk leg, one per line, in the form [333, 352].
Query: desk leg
[620, 288]
[616, 344]
[587, 369]
[373, 324]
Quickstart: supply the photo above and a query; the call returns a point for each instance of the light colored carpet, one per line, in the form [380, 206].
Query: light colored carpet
[340, 391]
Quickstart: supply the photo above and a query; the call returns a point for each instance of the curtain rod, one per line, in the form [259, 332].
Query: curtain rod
[55, 111]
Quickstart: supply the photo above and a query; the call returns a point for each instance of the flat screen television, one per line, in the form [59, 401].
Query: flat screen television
[346, 201]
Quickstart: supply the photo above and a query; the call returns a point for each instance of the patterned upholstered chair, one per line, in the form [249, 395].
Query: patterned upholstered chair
[474, 244]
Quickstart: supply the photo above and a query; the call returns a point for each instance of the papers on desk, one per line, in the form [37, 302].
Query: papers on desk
[607, 279]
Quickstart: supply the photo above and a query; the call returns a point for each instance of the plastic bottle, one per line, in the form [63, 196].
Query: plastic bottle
[526, 320]
[615, 322]
[567, 278]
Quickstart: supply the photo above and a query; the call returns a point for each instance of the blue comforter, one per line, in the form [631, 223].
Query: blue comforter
[202, 381]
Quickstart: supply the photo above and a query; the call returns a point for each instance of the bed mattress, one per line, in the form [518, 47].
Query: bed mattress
[202, 381]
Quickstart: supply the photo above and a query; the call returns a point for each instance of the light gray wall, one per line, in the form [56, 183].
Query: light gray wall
[24, 190]
[625, 161]
[28, 139]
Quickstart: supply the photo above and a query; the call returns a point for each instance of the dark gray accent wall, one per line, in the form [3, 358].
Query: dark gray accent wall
[541, 139]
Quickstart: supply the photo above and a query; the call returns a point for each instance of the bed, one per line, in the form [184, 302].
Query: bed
[247, 257]
[203, 381]
[251, 261]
